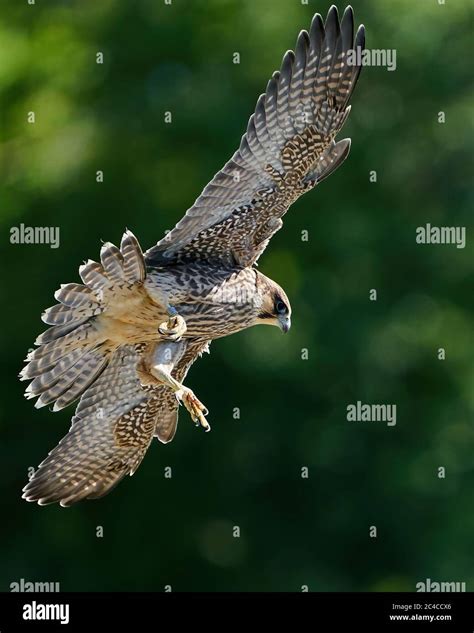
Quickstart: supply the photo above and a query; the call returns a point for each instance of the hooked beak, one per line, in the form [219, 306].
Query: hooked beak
[284, 323]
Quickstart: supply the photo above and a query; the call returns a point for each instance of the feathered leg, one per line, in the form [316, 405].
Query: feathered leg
[165, 357]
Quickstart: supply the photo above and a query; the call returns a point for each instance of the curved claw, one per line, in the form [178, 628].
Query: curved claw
[196, 409]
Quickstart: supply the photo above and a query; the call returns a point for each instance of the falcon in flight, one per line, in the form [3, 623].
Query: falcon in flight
[124, 340]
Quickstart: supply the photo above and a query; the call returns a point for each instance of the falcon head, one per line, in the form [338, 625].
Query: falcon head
[274, 308]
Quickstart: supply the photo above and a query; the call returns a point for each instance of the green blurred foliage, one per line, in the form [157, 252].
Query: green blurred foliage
[246, 472]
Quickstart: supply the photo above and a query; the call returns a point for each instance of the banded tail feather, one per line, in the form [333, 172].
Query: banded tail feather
[73, 352]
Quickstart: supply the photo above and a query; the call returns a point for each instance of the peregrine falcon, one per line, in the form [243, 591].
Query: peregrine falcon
[124, 340]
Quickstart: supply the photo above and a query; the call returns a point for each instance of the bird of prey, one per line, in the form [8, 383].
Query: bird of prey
[124, 340]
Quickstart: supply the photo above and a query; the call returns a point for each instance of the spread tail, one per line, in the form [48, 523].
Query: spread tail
[73, 352]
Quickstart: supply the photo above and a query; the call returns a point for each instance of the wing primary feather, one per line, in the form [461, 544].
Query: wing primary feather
[297, 80]
[284, 82]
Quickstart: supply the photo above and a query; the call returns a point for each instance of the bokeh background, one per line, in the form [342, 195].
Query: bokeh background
[247, 472]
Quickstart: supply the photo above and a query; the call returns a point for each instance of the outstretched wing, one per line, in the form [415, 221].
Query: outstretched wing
[288, 148]
[111, 430]
[110, 433]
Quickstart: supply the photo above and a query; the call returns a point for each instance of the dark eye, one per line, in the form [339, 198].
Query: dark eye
[280, 307]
